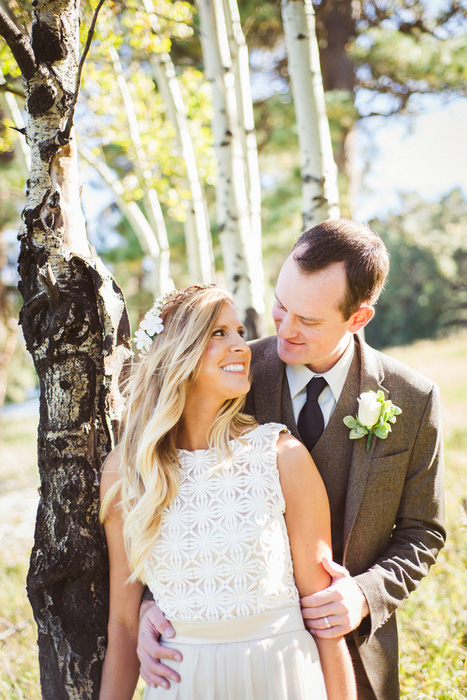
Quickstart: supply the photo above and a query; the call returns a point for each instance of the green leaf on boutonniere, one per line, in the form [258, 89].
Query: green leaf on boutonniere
[351, 422]
[357, 433]
[381, 432]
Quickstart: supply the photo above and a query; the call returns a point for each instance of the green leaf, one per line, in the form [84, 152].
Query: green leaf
[350, 422]
[354, 435]
[381, 433]
[397, 410]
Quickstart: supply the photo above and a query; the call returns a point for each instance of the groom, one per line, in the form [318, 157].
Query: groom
[386, 501]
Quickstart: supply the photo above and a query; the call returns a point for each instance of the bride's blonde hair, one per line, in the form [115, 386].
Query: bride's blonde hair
[156, 393]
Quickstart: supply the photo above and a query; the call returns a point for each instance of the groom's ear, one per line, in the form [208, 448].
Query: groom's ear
[360, 318]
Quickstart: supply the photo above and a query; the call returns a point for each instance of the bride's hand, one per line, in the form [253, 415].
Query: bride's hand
[151, 625]
[336, 610]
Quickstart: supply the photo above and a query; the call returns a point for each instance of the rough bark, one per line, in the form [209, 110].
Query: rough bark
[76, 329]
[320, 196]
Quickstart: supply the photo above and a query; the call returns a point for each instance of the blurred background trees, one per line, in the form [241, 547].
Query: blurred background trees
[378, 58]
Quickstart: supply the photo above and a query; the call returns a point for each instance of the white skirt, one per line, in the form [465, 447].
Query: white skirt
[269, 656]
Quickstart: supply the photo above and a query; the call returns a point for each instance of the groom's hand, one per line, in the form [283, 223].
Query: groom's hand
[152, 623]
[336, 610]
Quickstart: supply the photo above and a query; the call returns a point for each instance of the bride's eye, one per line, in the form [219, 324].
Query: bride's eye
[242, 332]
[220, 332]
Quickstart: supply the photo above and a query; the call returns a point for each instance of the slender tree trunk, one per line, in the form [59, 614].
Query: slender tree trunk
[246, 124]
[76, 329]
[197, 228]
[163, 281]
[337, 19]
[130, 210]
[319, 176]
[241, 266]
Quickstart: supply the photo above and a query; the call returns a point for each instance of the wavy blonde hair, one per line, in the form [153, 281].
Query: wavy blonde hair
[156, 393]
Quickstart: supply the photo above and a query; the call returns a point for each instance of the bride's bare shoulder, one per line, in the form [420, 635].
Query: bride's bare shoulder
[110, 472]
[295, 463]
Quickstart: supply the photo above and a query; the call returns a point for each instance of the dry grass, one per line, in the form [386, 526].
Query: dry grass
[433, 622]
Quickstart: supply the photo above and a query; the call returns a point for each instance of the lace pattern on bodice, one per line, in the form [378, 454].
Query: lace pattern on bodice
[223, 549]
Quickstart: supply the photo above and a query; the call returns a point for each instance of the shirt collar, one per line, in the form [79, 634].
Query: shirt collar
[298, 376]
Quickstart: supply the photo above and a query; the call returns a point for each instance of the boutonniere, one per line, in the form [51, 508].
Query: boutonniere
[374, 416]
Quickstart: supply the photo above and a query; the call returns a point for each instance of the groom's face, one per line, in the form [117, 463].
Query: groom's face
[309, 325]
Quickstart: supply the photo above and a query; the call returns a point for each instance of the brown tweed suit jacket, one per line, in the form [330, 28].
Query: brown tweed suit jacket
[387, 504]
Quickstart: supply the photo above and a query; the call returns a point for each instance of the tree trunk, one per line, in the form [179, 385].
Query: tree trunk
[246, 125]
[337, 21]
[197, 228]
[239, 254]
[162, 279]
[76, 329]
[319, 176]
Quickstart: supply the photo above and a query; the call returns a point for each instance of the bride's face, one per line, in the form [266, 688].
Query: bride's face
[224, 371]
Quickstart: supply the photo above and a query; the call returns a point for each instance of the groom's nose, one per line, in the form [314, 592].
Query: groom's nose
[285, 326]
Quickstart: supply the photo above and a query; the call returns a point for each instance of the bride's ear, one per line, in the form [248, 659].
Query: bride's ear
[361, 317]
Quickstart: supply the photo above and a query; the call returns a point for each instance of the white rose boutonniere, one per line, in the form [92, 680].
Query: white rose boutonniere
[374, 416]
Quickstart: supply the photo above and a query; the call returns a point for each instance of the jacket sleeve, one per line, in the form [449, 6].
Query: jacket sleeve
[419, 531]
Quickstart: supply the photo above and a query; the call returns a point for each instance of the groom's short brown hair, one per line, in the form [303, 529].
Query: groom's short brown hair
[363, 252]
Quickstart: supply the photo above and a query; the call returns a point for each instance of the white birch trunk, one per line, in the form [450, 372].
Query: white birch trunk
[138, 222]
[233, 216]
[151, 202]
[241, 68]
[319, 173]
[197, 228]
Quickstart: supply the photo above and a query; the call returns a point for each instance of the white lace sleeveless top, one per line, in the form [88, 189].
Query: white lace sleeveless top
[223, 549]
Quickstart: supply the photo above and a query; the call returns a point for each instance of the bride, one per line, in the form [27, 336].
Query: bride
[226, 521]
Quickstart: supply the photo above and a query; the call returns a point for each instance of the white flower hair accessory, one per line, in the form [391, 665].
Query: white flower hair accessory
[152, 324]
[374, 416]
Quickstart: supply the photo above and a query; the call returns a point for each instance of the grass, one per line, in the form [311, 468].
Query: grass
[432, 622]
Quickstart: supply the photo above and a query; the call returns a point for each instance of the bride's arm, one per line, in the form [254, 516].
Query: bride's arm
[121, 666]
[308, 521]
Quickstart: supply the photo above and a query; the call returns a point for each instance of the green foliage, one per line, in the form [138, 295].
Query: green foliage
[426, 290]
[19, 672]
[130, 33]
[399, 64]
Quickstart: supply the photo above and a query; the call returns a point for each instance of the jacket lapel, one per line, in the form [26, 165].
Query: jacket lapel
[371, 378]
[271, 389]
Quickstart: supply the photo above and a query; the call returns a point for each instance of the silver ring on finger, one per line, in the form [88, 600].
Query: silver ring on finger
[328, 624]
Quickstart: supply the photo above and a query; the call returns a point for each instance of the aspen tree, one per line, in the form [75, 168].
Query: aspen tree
[76, 328]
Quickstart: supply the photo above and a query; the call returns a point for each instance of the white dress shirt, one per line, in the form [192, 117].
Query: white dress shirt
[298, 377]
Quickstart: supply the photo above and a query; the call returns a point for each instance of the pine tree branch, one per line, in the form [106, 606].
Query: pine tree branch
[19, 44]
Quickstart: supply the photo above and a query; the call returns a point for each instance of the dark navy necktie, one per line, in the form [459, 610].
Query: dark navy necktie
[310, 421]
